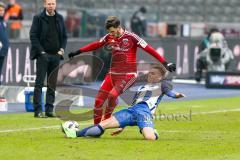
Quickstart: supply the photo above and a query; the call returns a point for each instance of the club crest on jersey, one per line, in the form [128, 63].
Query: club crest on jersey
[125, 40]
[126, 44]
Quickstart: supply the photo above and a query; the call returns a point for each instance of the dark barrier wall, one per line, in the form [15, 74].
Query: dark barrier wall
[182, 51]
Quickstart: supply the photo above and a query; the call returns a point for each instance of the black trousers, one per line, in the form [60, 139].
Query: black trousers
[46, 65]
[201, 64]
[1, 65]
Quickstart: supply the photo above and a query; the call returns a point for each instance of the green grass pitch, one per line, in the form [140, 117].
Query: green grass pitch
[201, 130]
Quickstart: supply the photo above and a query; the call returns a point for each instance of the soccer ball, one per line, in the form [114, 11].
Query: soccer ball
[71, 125]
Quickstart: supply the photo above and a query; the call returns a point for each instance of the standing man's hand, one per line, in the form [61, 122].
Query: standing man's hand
[171, 67]
[61, 52]
[73, 54]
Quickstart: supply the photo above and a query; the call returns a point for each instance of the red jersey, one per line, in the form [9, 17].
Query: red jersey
[123, 50]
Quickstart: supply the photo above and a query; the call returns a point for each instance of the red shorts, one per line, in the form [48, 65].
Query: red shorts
[120, 82]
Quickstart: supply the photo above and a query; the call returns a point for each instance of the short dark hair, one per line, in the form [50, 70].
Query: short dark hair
[211, 31]
[161, 69]
[143, 10]
[112, 21]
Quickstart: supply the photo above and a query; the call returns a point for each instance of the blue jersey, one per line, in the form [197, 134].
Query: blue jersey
[145, 103]
[152, 94]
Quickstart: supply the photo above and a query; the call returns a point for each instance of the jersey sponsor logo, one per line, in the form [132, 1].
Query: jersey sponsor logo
[232, 80]
[122, 46]
[217, 79]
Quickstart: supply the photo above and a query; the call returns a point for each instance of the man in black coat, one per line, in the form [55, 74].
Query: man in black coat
[48, 42]
[4, 44]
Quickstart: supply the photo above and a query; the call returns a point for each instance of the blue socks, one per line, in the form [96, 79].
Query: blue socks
[92, 131]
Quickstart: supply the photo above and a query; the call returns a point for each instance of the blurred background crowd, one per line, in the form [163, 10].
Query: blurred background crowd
[180, 28]
[158, 18]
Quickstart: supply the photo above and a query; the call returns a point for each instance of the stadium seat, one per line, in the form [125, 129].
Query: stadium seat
[168, 10]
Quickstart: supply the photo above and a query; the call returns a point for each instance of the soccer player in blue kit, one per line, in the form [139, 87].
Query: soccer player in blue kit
[140, 113]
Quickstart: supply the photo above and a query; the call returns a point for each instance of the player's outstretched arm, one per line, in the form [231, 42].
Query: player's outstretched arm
[180, 95]
[149, 49]
[90, 47]
[175, 94]
[73, 54]
[171, 67]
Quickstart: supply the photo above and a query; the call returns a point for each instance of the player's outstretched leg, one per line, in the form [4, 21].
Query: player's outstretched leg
[92, 131]
[101, 97]
[98, 106]
[98, 130]
[112, 102]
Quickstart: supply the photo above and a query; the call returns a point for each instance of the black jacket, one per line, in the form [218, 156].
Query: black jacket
[38, 33]
[3, 39]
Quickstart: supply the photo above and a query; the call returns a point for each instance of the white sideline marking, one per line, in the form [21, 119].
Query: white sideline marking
[197, 131]
[187, 81]
[28, 129]
[219, 111]
[34, 129]
[58, 126]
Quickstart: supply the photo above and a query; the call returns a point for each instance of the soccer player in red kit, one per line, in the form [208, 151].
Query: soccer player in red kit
[123, 68]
